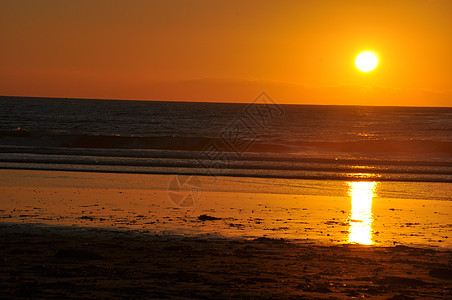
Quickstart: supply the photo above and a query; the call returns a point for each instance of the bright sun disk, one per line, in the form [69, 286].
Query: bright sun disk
[366, 61]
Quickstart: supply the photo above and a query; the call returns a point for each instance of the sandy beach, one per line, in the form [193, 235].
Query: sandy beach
[101, 235]
[65, 262]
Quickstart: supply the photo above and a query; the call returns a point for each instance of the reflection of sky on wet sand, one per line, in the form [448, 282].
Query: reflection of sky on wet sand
[303, 210]
[361, 194]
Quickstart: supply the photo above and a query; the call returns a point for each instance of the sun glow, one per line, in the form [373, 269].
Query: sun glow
[366, 61]
[361, 194]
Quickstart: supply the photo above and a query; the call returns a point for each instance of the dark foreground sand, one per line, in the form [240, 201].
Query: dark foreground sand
[63, 262]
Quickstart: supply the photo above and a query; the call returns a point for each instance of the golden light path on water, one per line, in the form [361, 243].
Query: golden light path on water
[361, 194]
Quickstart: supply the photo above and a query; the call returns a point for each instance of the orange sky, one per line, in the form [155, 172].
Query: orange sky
[297, 51]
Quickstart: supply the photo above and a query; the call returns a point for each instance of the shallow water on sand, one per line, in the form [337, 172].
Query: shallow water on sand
[380, 213]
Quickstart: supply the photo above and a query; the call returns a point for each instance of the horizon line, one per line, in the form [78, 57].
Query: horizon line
[213, 102]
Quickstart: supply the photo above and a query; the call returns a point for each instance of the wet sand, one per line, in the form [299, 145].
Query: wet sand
[331, 212]
[79, 235]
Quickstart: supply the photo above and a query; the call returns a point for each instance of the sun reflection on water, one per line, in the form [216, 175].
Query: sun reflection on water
[361, 194]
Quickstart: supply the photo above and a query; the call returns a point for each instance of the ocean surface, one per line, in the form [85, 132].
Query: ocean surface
[256, 139]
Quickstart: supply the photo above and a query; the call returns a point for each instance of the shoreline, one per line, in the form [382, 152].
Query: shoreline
[322, 175]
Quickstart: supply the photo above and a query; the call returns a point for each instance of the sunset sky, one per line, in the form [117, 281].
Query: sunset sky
[300, 52]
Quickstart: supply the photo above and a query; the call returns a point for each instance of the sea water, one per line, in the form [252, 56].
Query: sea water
[254, 139]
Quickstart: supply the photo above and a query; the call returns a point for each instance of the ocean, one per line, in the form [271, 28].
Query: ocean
[260, 138]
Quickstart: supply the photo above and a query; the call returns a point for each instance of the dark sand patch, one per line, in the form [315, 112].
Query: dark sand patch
[44, 262]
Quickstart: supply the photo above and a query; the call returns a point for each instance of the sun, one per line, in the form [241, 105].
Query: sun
[366, 61]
